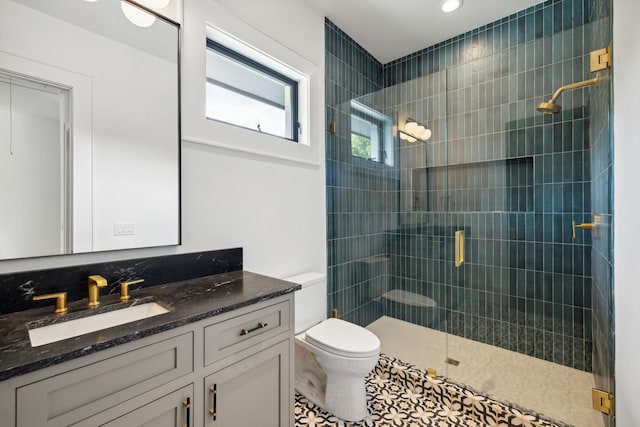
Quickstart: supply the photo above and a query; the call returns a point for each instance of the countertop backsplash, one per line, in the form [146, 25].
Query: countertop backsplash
[18, 289]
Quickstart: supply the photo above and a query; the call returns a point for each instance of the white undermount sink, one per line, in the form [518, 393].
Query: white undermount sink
[95, 322]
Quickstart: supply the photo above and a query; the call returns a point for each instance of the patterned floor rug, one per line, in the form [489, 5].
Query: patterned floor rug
[399, 394]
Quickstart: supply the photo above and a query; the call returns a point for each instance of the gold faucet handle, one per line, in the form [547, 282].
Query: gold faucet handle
[584, 226]
[124, 289]
[61, 301]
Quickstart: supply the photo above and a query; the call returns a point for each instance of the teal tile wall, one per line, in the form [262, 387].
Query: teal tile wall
[515, 180]
[358, 190]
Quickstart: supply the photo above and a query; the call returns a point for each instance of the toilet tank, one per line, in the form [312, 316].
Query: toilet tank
[311, 300]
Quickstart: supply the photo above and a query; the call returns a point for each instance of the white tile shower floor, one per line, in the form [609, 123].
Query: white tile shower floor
[556, 391]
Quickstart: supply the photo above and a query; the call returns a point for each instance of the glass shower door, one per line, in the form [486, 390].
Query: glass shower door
[520, 306]
[417, 241]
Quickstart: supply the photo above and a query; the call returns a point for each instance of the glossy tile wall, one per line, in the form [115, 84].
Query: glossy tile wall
[515, 181]
[358, 190]
[512, 178]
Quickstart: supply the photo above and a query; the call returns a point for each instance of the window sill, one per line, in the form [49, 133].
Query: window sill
[297, 158]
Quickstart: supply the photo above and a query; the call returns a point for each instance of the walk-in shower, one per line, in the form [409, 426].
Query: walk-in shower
[512, 180]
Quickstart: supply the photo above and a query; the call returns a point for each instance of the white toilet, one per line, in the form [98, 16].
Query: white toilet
[333, 357]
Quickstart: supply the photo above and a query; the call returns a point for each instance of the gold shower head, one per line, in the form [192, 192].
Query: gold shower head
[551, 107]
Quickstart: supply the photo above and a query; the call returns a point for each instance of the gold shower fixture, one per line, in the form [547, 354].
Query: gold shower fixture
[551, 107]
[599, 60]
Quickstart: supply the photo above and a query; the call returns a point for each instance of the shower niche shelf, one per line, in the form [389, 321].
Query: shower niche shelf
[489, 186]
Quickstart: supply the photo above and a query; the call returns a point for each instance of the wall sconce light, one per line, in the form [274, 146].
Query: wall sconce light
[414, 131]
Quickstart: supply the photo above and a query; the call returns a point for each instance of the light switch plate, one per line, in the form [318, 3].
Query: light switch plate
[124, 229]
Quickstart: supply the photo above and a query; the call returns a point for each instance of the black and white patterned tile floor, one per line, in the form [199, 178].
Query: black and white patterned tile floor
[399, 394]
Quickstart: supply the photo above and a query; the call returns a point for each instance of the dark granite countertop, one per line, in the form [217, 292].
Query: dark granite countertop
[189, 301]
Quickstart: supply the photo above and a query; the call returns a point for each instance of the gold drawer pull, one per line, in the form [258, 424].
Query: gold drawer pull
[248, 331]
[187, 406]
[214, 394]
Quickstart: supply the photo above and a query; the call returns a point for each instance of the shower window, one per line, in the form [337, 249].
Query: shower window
[371, 136]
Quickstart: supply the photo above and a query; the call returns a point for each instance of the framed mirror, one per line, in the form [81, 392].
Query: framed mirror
[89, 128]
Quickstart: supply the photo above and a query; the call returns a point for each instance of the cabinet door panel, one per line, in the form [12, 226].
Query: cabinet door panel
[168, 411]
[251, 392]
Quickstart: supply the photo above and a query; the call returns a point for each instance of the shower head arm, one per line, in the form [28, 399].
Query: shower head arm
[572, 86]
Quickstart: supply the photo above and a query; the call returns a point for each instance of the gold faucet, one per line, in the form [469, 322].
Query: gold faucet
[95, 282]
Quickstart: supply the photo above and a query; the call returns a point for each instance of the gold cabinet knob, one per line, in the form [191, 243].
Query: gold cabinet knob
[61, 301]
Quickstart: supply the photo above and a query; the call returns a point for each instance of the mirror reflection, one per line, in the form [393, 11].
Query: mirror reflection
[89, 128]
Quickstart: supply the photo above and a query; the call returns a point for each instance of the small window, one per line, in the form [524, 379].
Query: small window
[246, 93]
[371, 134]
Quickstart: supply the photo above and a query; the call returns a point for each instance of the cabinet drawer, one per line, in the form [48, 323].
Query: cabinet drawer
[230, 336]
[77, 394]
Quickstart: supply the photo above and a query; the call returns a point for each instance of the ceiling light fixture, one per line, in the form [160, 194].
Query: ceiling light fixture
[414, 131]
[137, 16]
[154, 4]
[141, 17]
[449, 6]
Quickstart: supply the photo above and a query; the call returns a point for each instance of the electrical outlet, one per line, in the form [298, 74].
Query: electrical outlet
[124, 229]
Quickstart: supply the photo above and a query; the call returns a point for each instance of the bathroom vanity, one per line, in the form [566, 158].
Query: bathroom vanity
[221, 356]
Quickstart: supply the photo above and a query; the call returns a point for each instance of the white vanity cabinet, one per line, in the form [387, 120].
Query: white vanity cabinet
[245, 355]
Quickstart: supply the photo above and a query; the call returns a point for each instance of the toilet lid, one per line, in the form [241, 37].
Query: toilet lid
[343, 338]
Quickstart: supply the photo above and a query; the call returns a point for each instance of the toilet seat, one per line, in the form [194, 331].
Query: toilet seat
[344, 339]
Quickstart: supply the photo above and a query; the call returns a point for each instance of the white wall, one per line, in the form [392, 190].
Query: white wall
[273, 208]
[626, 63]
[249, 189]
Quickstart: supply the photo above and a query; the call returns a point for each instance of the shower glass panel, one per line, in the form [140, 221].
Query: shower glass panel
[388, 231]
[420, 243]
[465, 237]
[516, 180]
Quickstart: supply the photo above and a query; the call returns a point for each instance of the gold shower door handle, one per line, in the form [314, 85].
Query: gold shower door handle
[459, 248]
